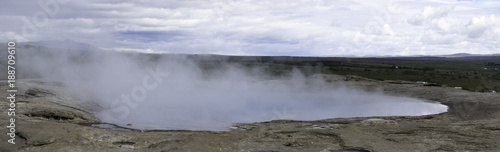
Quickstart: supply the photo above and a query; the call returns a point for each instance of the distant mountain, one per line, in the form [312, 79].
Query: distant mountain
[463, 54]
[66, 44]
[468, 55]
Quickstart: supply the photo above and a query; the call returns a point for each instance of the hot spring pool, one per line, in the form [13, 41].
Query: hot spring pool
[203, 107]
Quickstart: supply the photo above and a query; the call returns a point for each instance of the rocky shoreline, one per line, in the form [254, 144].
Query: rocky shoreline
[51, 118]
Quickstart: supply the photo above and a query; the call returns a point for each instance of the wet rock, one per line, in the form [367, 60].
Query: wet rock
[372, 121]
[124, 144]
[57, 112]
[326, 126]
[350, 150]
[109, 126]
[39, 92]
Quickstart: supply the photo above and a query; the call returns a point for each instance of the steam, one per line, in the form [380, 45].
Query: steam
[174, 92]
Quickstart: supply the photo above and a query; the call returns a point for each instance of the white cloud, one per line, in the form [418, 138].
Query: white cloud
[430, 13]
[442, 25]
[480, 26]
[312, 28]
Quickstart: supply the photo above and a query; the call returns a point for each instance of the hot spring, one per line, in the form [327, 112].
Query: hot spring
[216, 104]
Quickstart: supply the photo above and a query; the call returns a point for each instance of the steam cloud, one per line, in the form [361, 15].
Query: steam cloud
[189, 97]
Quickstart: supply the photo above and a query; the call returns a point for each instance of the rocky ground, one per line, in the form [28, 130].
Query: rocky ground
[52, 118]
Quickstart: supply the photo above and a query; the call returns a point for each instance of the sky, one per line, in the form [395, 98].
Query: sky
[256, 27]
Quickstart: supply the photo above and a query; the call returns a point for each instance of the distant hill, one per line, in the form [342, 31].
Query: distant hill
[65, 44]
[463, 54]
[469, 55]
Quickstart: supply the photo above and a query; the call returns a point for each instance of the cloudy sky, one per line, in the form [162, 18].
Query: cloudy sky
[256, 27]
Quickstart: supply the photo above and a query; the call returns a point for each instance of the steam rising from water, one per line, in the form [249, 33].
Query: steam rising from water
[215, 104]
[175, 93]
